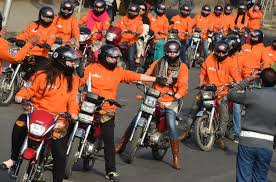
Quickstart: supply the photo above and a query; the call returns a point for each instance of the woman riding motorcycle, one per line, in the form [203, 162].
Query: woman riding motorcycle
[44, 28]
[66, 24]
[175, 72]
[106, 78]
[55, 83]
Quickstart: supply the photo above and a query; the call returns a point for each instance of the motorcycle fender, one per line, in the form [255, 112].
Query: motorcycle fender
[141, 122]
[200, 113]
[29, 154]
[80, 133]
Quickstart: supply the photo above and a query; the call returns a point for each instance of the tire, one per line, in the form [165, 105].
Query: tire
[202, 123]
[158, 153]
[22, 175]
[189, 57]
[71, 158]
[6, 96]
[132, 146]
[89, 162]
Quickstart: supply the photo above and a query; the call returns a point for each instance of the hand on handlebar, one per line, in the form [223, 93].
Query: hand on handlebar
[44, 46]
[18, 99]
[161, 81]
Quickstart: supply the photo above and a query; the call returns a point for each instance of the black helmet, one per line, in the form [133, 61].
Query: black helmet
[66, 9]
[234, 44]
[109, 51]
[63, 54]
[99, 7]
[185, 10]
[133, 10]
[218, 10]
[256, 37]
[172, 46]
[250, 4]
[242, 9]
[1, 20]
[228, 9]
[221, 50]
[46, 16]
[160, 9]
[206, 10]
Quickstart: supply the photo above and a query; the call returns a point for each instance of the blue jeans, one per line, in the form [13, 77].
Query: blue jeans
[204, 44]
[170, 122]
[236, 119]
[252, 164]
[132, 50]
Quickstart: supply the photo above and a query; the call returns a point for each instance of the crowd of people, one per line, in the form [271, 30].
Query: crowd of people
[238, 57]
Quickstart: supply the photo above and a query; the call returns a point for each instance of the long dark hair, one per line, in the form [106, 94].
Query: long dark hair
[52, 74]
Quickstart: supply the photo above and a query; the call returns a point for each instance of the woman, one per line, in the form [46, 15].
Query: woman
[105, 79]
[55, 83]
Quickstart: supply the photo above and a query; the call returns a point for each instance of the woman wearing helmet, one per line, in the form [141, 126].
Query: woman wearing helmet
[183, 23]
[132, 27]
[175, 72]
[97, 20]
[107, 76]
[228, 21]
[55, 83]
[241, 21]
[218, 19]
[270, 55]
[255, 15]
[44, 28]
[66, 24]
[159, 23]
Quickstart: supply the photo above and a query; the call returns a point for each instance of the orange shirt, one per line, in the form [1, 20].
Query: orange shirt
[255, 18]
[239, 23]
[204, 23]
[218, 73]
[269, 57]
[159, 24]
[7, 53]
[252, 58]
[228, 22]
[182, 24]
[134, 25]
[47, 35]
[54, 100]
[105, 82]
[67, 28]
[218, 22]
[180, 87]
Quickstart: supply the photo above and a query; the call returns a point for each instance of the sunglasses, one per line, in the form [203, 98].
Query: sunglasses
[221, 51]
[68, 9]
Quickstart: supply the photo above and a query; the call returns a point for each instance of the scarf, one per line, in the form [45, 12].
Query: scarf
[92, 19]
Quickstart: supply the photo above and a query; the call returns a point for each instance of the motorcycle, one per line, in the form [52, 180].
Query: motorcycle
[35, 152]
[85, 140]
[150, 127]
[193, 51]
[207, 121]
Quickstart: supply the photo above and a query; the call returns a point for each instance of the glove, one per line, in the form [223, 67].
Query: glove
[161, 81]
[44, 46]
[11, 39]
[20, 43]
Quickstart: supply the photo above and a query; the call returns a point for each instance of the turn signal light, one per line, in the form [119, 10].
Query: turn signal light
[139, 97]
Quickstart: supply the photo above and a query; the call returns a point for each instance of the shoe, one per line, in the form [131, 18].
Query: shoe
[236, 139]
[120, 147]
[220, 143]
[175, 152]
[184, 135]
[7, 165]
[112, 176]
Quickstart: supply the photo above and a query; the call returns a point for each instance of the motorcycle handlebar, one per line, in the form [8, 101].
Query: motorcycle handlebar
[113, 102]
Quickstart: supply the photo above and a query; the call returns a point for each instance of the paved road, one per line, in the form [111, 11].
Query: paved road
[197, 166]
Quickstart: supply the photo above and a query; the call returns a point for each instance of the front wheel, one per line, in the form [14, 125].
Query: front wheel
[133, 145]
[204, 139]
[23, 171]
[7, 94]
[72, 157]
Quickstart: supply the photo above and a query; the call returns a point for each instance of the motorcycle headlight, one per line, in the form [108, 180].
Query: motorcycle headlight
[196, 35]
[84, 37]
[150, 101]
[207, 95]
[37, 129]
[88, 107]
[110, 36]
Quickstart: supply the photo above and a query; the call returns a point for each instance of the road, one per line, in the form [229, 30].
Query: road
[197, 166]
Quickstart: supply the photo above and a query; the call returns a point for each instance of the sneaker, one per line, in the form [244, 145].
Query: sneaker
[112, 176]
[236, 139]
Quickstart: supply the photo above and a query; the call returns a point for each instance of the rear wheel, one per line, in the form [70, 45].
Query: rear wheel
[7, 94]
[23, 171]
[132, 146]
[204, 139]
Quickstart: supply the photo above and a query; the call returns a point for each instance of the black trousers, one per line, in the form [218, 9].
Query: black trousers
[107, 130]
[59, 147]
